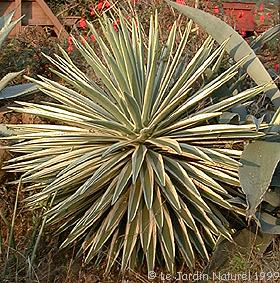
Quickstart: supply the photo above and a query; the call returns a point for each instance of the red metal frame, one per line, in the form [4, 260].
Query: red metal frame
[240, 15]
[247, 16]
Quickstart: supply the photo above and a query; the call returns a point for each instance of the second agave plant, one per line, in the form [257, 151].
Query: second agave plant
[138, 169]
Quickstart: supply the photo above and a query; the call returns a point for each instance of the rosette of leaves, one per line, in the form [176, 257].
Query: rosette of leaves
[137, 167]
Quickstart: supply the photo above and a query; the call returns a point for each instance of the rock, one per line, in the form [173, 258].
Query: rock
[245, 241]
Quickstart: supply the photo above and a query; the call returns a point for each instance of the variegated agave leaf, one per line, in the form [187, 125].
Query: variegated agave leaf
[139, 165]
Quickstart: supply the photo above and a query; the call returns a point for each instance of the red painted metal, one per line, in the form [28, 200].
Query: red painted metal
[240, 15]
[248, 16]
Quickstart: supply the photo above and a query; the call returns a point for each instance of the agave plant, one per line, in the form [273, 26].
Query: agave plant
[136, 165]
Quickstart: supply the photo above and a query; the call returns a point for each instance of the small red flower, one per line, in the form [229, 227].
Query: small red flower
[276, 67]
[70, 40]
[268, 15]
[182, 2]
[83, 23]
[107, 4]
[216, 10]
[261, 9]
[92, 38]
[100, 5]
[70, 49]
[116, 25]
[262, 18]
